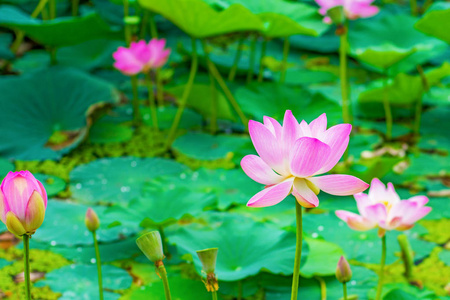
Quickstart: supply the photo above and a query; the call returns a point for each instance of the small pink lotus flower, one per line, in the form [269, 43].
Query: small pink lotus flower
[383, 208]
[290, 157]
[141, 57]
[23, 201]
[353, 9]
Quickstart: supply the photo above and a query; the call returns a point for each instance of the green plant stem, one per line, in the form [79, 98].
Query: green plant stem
[323, 287]
[251, 65]
[387, 108]
[75, 4]
[20, 34]
[382, 263]
[213, 121]
[185, 96]
[228, 93]
[285, 57]
[153, 29]
[52, 52]
[344, 286]
[143, 30]
[135, 101]
[52, 9]
[298, 251]
[240, 290]
[261, 60]
[214, 295]
[163, 274]
[159, 88]
[164, 241]
[151, 100]
[237, 58]
[407, 255]
[99, 265]
[26, 261]
[127, 26]
[418, 113]
[346, 115]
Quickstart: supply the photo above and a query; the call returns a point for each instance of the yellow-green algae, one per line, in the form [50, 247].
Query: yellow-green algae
[40, 260]
[438, 230]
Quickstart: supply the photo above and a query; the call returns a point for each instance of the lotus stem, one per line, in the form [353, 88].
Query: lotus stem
[251, 64]
[143, 30]
[285, 57]
[26, 261]
[387, 108]
[261, 60]
[159, 88]
[151, 100]
[75, 7]
[164, 241]
[237, 58]
[99, 265]
[126, 11]
[298, 251]
[382, 263]
[346, 115]
[153, 28]
[240, 290]
[135, 101]
[406, 254]
[163, 274]
[214, 295]
[344, 286]
[323, 287]
[213, 120]
[186, 92]
[228, 93]
[418, 114]
[52, 9]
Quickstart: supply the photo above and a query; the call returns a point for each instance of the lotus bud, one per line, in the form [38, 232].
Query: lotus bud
[91, 220]
[336, 15]
[23, 201]
[151, 245]
[343, 271]
[208, 259]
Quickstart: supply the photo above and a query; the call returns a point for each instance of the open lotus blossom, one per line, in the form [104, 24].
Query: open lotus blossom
[141, 57]
[291, 156]
[23, 201]
[353, 9]
[382, 208]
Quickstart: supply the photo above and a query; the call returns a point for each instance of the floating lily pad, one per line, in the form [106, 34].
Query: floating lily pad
[69, 218]
[428, 164]
[53, 106]
[52, 184]
[203, 146]
[321, 259]
[108, 132]
[436, 21]
[59, 32]
[181, 289]
[83, 283]
[115, 180]
[227, 186]
[199, 20]
[161, 208]
[245, 247]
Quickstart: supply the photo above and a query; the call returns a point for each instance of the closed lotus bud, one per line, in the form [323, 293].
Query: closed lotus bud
[92, 222]
[23, 201]
[343, 271]
[208, 259]
[151, 245]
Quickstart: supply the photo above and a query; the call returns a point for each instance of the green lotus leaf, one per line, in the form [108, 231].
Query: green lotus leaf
[391, 44]
[81, 282]
[322, 258]
[5, 41]
[64, 31]
[52, 184]
[5, 167]
[49, 110]
[109, 132]
[204, 146]
[436, 21]
[160, 208]
[115, 180]
[64, 226]
[199, 20]
[227, 186]
[404, 88]
[245, 247]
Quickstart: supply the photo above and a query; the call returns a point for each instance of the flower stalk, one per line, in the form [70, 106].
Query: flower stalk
[346, 114]
[151, 100]
[261, 60]
[163, 274]
[298, 251]
[237, 58]
[251, 64]
[285, 57]
[382, 263]
[26, 261]
[135, 101]
[213, 121]
[99, 265]
[387, 108]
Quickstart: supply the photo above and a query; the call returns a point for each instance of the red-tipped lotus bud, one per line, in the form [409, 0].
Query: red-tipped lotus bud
[23, 201]
[208, 259]
[151, 245]
[343, 271]
[91, 220]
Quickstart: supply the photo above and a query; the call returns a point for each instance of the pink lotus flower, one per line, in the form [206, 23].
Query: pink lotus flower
[383, 208]
[141, 57]
[290, 157]
[23, 201]
[353, 9]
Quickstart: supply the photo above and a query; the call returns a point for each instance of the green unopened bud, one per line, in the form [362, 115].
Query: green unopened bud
[91, 220]
[336, 15]
[151, 245]
[343, 271]
[208, 258]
